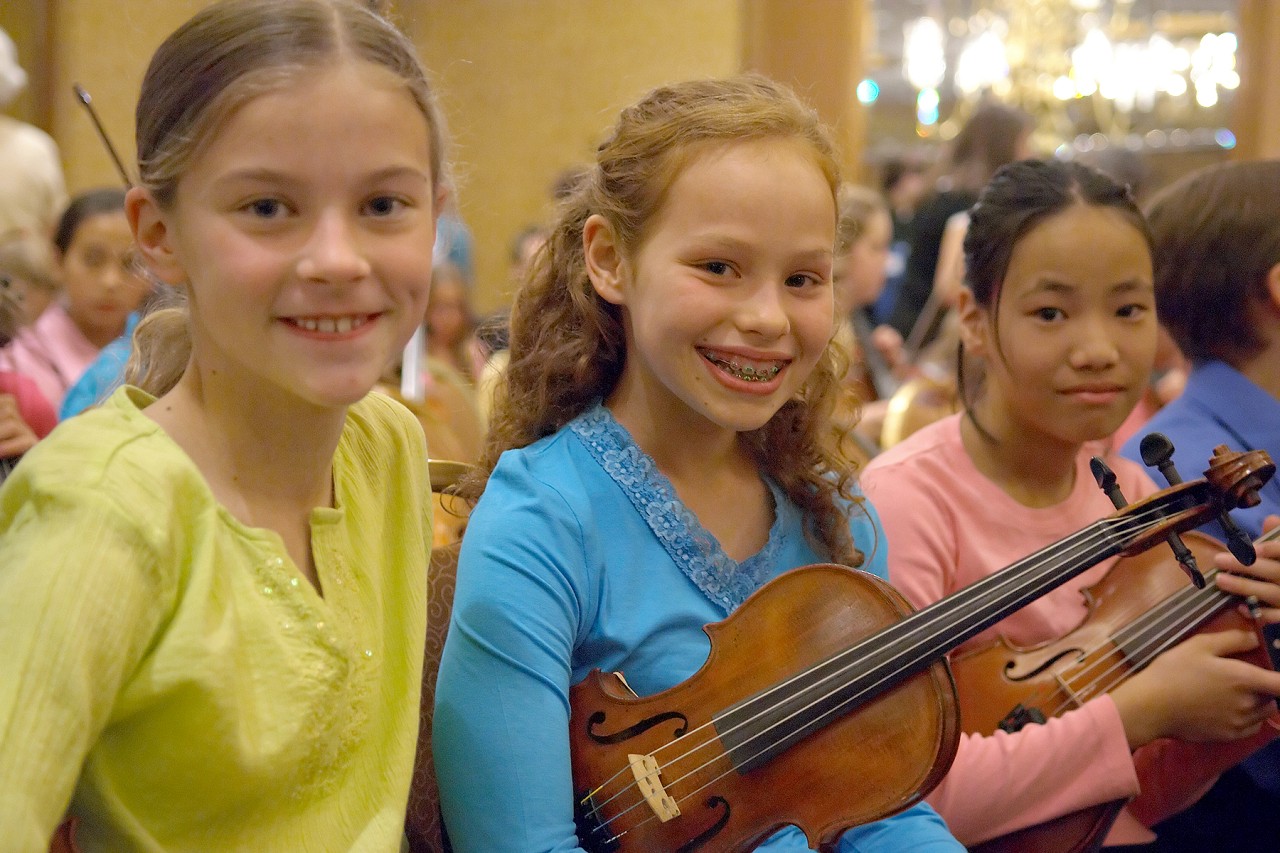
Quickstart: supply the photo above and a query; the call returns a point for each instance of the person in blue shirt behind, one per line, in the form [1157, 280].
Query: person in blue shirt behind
[1217, 282]
[103, 375]
[661, 447]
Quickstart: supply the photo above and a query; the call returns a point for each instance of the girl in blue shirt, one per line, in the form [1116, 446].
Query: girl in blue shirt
[659, 449]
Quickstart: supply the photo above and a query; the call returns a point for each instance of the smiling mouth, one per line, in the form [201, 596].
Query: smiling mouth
[330, 325]
[1111, 389]
[758, 372]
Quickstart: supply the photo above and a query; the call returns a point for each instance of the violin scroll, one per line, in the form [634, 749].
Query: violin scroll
[1239, 476]
[1232, 480]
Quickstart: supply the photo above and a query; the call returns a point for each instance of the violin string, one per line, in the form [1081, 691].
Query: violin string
[869, 690]
[1098, 532]
[1054, 563]
[1087, 538]
[1178, 625]
[1125, 665]
[1079, 683]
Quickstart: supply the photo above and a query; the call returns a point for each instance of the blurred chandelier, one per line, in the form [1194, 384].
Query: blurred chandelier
[1110, 67]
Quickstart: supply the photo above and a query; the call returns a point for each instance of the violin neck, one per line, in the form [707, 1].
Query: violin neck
[1176, 617]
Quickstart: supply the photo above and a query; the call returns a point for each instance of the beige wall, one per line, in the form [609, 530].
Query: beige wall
[1256, 108]
[104, 45]
[26, 22]
[530, 87]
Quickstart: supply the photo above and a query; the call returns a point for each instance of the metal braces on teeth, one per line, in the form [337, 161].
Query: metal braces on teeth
[747, 373]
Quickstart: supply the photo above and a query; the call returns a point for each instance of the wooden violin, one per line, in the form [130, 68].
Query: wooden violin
[1141, 608]
[823, 704]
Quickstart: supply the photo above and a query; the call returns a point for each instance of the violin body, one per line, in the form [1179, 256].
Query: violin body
[1059, 675]
[879, 759]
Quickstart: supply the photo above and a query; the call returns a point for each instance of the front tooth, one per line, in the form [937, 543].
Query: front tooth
[326, 325]
[309, 325]
[344, 325]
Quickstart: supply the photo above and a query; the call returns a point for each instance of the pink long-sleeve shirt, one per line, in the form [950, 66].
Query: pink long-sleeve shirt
[52, 351]
[948, 526]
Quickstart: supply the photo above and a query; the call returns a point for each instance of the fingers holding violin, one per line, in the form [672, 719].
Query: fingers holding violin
[1260, 581]
[1197, 691]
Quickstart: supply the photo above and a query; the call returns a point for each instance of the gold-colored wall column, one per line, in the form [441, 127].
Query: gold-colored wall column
[529, 89]
[105, 46]
[817, 48]
[1257, 107]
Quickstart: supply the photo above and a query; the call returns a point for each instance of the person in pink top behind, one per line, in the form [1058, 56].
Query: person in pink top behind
[25, 415]
[1058, 327]
[100, 288]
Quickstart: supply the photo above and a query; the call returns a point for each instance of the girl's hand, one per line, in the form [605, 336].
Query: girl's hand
[1197, 691]
[888, 342]
[1261, 580]
[16, 438]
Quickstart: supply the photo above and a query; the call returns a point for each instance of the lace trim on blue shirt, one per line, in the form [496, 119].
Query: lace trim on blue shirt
[721, 578]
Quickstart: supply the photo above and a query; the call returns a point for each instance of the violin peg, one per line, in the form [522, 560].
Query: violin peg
[1157, 452]
[1188, 565]
[1156, 449]
[1238, 542]
[1106, 479]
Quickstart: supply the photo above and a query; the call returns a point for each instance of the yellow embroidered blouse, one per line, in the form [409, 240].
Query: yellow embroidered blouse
[168, 671]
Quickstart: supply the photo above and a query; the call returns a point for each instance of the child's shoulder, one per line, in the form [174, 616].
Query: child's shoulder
[109, 466]
[935, 445]
[558, 461]
[378, 419]
[114, 443]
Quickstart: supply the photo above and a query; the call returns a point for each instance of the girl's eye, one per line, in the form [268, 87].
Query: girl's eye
[95, 257]
[1132, 312]
[716, 267]
[383, 205]
[1049, 315]
[266, 208]
[801, 279]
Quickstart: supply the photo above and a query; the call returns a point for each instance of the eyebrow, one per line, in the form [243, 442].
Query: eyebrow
[719, 242]
[264, 174]
[1054, 286]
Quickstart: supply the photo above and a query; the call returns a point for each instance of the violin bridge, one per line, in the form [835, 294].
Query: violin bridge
[645, 769]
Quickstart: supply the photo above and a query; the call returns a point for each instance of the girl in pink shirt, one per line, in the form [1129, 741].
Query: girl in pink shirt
[1059, 313]
[100, 288]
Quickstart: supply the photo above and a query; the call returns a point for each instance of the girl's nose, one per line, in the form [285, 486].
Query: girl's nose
[116, 275]
[763, 311]
[333, 254]
[1095, 349]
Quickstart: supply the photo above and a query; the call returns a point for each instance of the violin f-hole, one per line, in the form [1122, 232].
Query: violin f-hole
[597, 719]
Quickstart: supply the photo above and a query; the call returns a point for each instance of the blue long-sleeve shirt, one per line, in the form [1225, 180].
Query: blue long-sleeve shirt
[580, 556]
[1220, 405]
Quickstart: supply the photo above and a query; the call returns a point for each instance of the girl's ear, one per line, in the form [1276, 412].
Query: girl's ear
[443, 195]
[151, 235]
[605, 264]
[1273, 287]
[975, 330]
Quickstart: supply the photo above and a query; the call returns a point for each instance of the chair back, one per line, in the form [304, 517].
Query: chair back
[424, 827]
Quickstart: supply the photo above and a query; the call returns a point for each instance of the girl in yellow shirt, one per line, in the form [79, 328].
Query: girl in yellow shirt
[212, 587]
